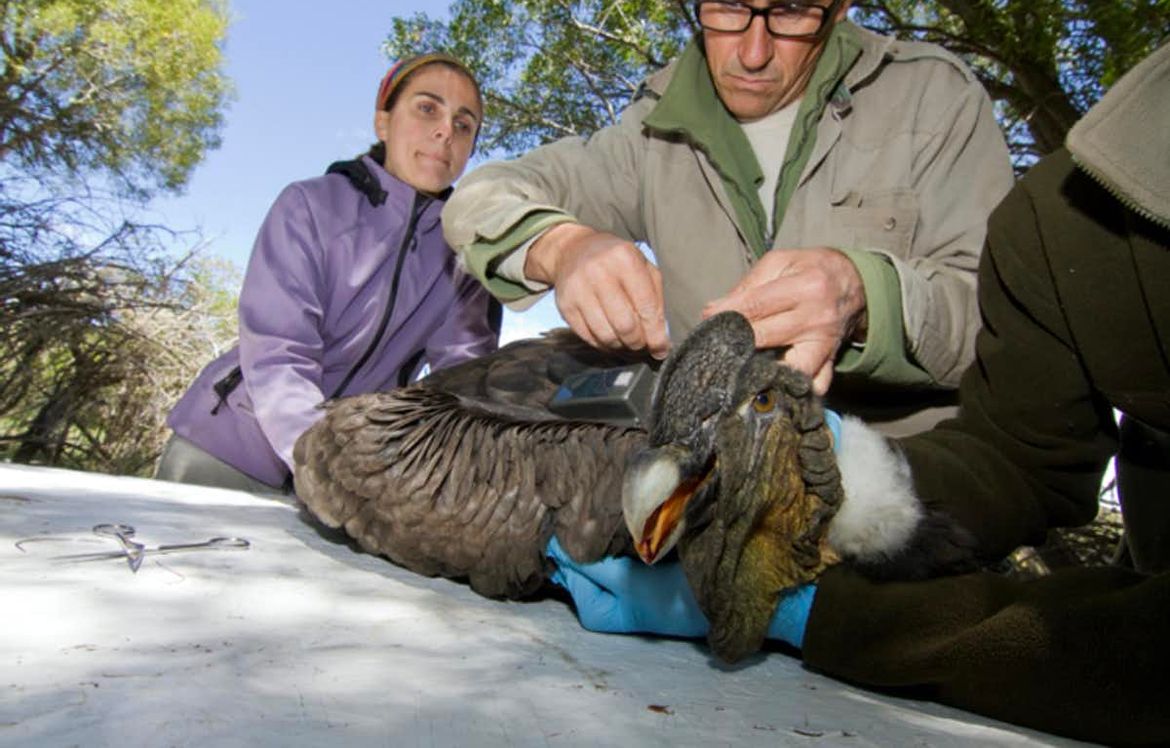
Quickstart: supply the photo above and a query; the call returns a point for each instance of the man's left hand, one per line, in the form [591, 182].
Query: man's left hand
[809, 300]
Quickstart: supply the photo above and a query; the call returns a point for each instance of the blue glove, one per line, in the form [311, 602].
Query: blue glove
[834, 422]
[624, 595]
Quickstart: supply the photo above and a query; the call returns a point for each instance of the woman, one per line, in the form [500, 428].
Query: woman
[350, 289]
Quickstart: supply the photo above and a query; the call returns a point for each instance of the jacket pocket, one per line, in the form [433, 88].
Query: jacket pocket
[881, 220]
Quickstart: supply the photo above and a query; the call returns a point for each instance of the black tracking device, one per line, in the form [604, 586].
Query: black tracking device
[620, 396]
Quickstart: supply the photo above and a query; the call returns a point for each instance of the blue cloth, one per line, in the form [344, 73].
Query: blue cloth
[833, 421]
[624, 595]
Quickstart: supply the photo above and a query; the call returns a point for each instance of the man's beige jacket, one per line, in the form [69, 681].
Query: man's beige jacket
[906, 165]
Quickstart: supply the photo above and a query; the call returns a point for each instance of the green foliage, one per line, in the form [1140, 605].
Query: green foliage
[1045, 61]
[1113, 36]
[550, 68]
[132, 88]
[556, 67]
[203, 319]
[103, 103]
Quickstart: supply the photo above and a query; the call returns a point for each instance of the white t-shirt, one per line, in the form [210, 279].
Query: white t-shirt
[769, 138]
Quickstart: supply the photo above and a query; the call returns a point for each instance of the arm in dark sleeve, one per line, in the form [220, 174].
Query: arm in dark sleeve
[1083, 653]
[1030, 445]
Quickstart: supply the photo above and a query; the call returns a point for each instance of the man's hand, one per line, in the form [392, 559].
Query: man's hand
[605, 288]
[807, 299]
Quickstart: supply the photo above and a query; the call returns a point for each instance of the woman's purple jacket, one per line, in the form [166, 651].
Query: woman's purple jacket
[315, 291]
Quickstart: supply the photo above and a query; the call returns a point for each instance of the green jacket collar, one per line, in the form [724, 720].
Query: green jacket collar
[690, 107]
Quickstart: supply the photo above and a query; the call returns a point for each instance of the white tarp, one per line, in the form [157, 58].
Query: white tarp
[301, 640]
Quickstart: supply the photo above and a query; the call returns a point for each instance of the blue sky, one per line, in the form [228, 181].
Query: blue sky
[305, 74]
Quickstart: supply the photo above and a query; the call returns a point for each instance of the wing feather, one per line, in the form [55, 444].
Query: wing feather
[445, 483]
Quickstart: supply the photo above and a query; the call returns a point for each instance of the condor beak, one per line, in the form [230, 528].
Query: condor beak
[655, 492]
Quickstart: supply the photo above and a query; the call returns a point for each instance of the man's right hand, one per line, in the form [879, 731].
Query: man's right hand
[606, 290]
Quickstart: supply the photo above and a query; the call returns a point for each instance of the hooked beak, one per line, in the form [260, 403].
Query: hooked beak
[655, 493]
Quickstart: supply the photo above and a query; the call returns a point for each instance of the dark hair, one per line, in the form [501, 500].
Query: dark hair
[377, 151]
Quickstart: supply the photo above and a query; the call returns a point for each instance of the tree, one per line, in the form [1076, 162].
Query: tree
[130, 88]
[103, 103]
[1047, 61]
[161, 348]
[98, 341]
[556, 67]
[550, 68]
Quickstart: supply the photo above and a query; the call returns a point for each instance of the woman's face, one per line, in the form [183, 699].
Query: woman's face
[430, 131]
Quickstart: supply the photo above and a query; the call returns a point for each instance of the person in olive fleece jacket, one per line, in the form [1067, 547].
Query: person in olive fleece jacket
[1075, 297]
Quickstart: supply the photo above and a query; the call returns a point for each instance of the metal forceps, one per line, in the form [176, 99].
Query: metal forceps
[134, 551]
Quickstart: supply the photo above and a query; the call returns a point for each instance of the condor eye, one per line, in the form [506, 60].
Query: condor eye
[764, 402]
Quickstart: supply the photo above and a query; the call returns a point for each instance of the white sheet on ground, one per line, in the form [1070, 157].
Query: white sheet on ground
[301, 640]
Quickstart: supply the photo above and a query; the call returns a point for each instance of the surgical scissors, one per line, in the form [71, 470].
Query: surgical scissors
[135, 551]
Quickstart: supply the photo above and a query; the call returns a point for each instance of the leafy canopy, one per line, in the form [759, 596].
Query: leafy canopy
[103, 103]
[556, 67]
[549, 68]
[130, 88]
[1045, 61]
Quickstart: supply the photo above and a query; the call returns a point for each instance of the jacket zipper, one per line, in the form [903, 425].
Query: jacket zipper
[416, 210]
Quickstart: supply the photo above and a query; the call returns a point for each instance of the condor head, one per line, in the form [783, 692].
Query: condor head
[738, 475]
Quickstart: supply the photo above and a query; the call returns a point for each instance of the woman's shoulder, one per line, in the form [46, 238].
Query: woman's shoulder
[330, 201]
[321, 191]
[359, 182]
[343, 199]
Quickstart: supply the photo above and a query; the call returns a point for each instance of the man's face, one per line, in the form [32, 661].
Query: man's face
[755, 73]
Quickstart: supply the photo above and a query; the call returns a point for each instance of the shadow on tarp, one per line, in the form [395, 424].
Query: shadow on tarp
[296, 641]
